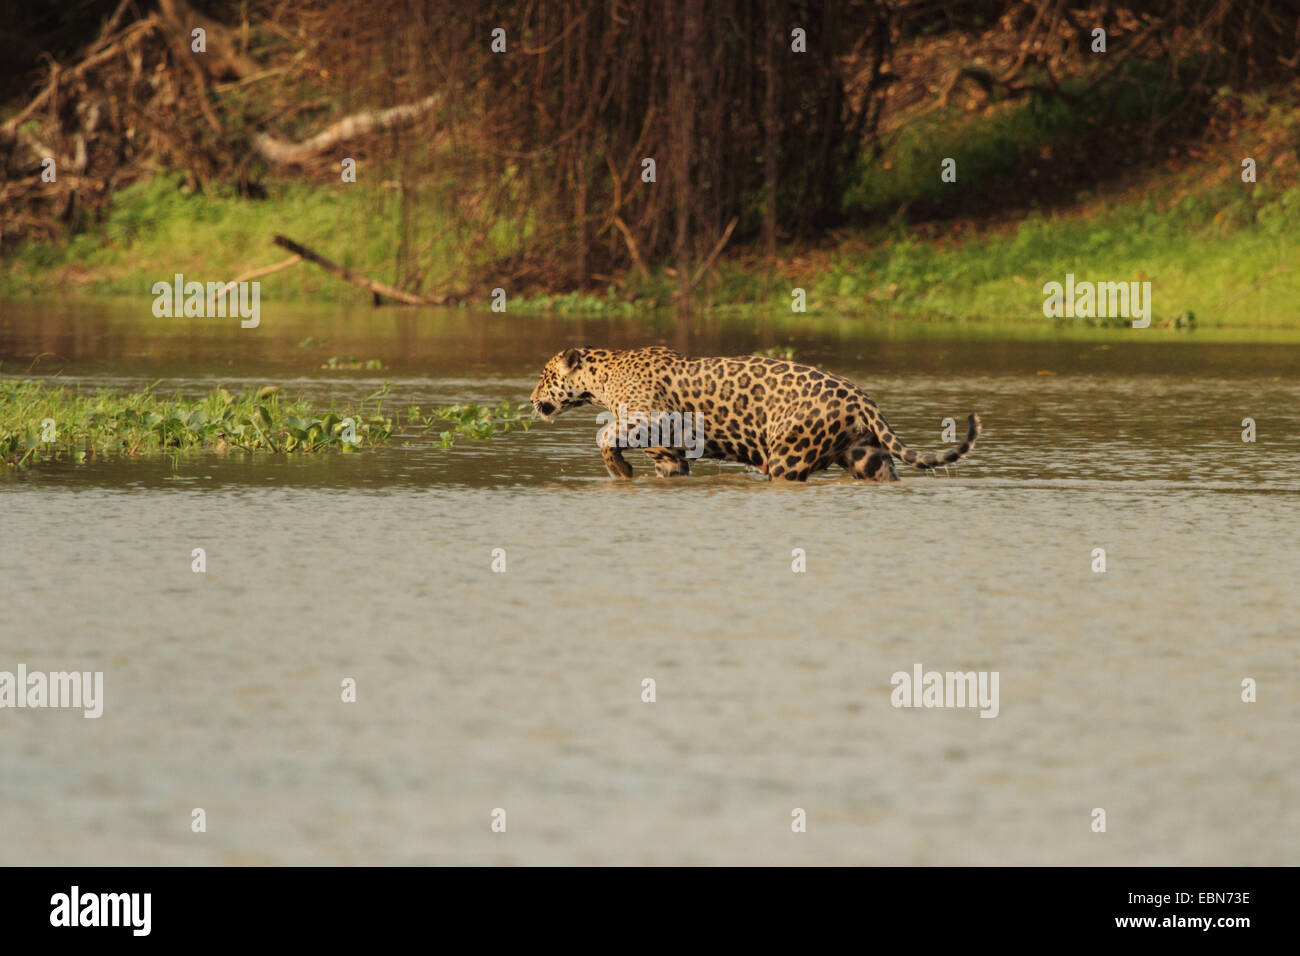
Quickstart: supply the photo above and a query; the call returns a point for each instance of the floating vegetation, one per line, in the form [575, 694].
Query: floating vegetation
[477, 421]
[777, 352]
[41, 421]
[353, 363]
[44, 421]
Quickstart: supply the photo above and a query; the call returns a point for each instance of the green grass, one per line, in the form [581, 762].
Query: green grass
[1210, 245]
[995, 147]
[1228, 256]
[1227, 253]
[155, 229]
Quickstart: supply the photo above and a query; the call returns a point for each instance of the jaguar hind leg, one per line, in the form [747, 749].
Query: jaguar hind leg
[669, 462]
[868, 461]
[612, 455]
[785, 464]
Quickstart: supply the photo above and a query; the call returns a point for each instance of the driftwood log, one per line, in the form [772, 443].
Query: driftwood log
[379, 290]
[282, 152]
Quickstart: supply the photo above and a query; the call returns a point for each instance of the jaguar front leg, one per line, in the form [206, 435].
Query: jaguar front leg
[614, 463]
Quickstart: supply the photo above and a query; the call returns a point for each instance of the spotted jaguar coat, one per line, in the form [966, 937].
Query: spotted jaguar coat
[788, 419]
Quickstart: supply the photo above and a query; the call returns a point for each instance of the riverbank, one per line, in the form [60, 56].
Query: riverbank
[1213, 248]
[1218, 252]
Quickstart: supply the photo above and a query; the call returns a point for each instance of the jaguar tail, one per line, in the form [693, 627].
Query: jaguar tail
[910, 456]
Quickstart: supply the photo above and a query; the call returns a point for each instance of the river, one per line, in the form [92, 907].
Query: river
[480, 690]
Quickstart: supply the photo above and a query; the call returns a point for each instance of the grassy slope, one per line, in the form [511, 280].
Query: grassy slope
[1208, 243]
[155, 230]
[1229, 257]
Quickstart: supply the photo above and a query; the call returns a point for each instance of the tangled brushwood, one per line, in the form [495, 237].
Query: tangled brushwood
[539, 117]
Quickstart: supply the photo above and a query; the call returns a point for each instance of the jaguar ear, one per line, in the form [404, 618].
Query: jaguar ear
[571, 361]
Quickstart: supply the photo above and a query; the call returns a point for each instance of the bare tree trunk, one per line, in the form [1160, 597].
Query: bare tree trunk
[771, 126]
[580, 159]
[824, 192]
[683, 100]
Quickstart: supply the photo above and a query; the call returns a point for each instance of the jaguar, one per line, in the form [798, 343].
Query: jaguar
[787, 419]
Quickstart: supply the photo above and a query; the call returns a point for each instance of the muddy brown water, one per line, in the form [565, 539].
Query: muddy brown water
[523, 690]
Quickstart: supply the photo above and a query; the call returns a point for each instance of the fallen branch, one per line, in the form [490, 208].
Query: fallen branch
[705, 266]
[632, 246]
[1008, 88]
[377, 289]
[256, 273]
[283, 152]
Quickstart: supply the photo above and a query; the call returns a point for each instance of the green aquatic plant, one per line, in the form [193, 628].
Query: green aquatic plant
[478, 421]
[335, 362]
[777, 352]
[46, 421]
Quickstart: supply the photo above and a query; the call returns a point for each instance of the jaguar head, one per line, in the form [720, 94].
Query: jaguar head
[563, 385]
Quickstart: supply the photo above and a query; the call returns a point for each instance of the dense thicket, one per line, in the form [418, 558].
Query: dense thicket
[752, 141]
